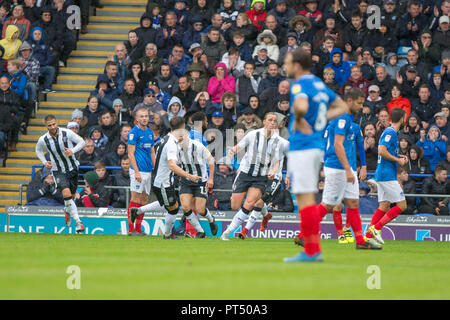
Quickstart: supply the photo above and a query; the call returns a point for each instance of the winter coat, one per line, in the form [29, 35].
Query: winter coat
[53, 34]
[100, 196]
[164, 45]
[22, 23]
[361, 83]
[89, 159]
[156, 63]
[41, 50]
[420, 165]
[146, 35]
[110, 95]
[217, 88]
[11, 46]
[392, 70]
[425, 111]
[273, 52]
[101, 143]
[238, 69]
[180, 69]
[168, 84]
[200, 84]
[187, 97]
[245, 52]
[250, 32]
[341, 70]
[120, 179]
[401, 103]
[18, 83]
[257, 18]
[432, 186]
[205, 13]
[213, 49]
[409, 35]
[135, 52]
[93, 117]
[385, 86]
[169, 114]
[283, 18]
[270, 82]
[354, 37]
[433, 151]
[38, 195]
[191, 36]
[32, 67]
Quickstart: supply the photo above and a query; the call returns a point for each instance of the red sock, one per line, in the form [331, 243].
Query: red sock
[390, 215]
[355, 221]
[130, 224]
[310, 226]
[337, 218]
[321, 211]
[375, 218]
[347, 223]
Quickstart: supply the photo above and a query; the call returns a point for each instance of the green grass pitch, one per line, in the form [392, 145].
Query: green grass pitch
[33, 266]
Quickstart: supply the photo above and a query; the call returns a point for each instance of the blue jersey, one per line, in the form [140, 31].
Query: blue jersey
[195, 135]
[319, 98]
[387, 170]
[358, 147]
[144, 141]
[340, 126]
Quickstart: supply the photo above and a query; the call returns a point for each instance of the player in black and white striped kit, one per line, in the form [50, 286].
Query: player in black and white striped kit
[259, 164]
[193, 156]
[62, 144]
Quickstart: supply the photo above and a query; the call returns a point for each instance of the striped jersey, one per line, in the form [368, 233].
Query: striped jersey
[260, 153]
[55, 146]
[193, 159]
[284, 148]
[168, 150]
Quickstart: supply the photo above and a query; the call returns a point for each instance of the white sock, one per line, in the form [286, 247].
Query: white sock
[252, 219]
[264, 210]
[170, 221]
[208, 216]
[238, 219]
[193, 219]
[154, 206]
[74, 212]
[68, 206]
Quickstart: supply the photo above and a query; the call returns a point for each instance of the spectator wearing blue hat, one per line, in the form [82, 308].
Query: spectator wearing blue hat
[341, 68]
[282, 12]
[151, 104]
[215, 127]
[194, 33]
[182, 13]
[433, 145]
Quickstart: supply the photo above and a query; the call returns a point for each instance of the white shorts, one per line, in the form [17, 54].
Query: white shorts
[144, 185]
[303, 170]
[390, 191]
[337, 188]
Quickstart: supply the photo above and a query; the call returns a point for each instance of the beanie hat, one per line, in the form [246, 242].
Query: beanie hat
[117, 101]
[77, 114]
[91, 177]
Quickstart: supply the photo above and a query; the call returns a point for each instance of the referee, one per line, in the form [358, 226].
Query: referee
[62, 144]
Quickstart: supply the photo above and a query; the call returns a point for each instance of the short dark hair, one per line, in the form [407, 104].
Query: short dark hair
[198, 116]
[401, 169]
[233, 50]
[124, 157]
[213, 29]
[99, 165]
[176, 123]
[425, 86]
[439, 168]
[354, 94]
[397, 114]
[49, 117]
[250, 62]
[356, 13]
[110, 63]
[303, 58]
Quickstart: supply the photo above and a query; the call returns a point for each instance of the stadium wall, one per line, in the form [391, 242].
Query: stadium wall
[29, 219]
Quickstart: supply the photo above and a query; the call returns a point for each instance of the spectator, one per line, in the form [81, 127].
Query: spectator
[229, 109]
[130, 99]
[178, 61]
[18, 19]
[108, 124]
[61, 15]
[220, 83]
[367, 204]
[239, 42]
[370, 146]
[383, 81]
[315, 16]
[212, 44]
[215, 127]
[232, 60]
[428, 51]
[92, 111]
[174, 110]
[271, 79]
[257, 14]
[331, 30]
[408, 187]
[6, 111]
[397, 101]
[5, 9]
[197, 70]
[202, 103]
[114, 157]
[444, 67]
[282, 201]
[371, 106]
[412, 128]
[301, 26]
[89, 155]
[74, 126]
[151, 104]
[440, 119]
[10, 105]
[390, 14]
[151, 61]
[11, 42]
[167, 80]
[413, 60]
[392, 65]
[425, 107]
[411, 24]
[433, 145]
[122, 60]
[99, 138]
[417, 164]
[446, 162]
[105, 94]
[223, 180]
[355, 34]
[269, 97]
[42, 190]
[269, 40]
[244, 25]
[117, 107]
[94, 194]
[277, 29]
[194, 33]
[261, 59]
[185, 93]
[201, 9]
[182, 13]
[53, 36]
[357, 80]
[446, 100]
[435, 185]
[42, 53]
[168, 35]
[329, 80]
[382, 40]
[228, 12]
[341, 68]
[249, 120]
[404, 144]
[31, 68]
[436, 86]
[292, 44]
[135, 47]
[17, 79]
[441, 35]
[124, 131]
[77, 116]
[139, 76]
[161, 95]
[121, 179]
[146, 33]
[112, 77]
[321, 55]
[282, 12]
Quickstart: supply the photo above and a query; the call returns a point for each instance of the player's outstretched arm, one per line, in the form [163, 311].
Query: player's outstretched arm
[337, 108]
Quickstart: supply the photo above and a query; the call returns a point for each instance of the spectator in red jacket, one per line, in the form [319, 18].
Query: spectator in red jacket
[258, 13]
[397, 101]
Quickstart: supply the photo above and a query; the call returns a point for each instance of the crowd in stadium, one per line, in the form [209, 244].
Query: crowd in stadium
[224, 59]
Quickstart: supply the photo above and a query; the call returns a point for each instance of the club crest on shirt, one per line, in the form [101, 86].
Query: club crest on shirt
[341, 123]
[387, 138]
[296, 89]
[131, 136]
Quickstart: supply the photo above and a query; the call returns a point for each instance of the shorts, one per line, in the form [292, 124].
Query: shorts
[166, 197]
[273, 188]
[144, 185]
[390, 191]
[337, 188]
[66, 180]
[303, 168]
[243, 182]
[198, 190]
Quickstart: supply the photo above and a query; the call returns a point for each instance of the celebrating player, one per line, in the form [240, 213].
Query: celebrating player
[389, 190]
[272, 189]
[193, 156]
[259, 164]
[312, 104]
[62, 144]
[341, 181]
[142, 156]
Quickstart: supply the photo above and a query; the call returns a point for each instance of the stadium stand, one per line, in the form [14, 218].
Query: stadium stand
[405, 63]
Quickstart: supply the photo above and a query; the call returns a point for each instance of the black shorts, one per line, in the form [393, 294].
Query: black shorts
[166, 197]
[243, 182]
[66, 180]
[273, 187]
[198, 190]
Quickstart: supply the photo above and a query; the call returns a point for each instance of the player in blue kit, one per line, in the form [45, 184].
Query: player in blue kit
[341, 181]
[312, 105]
[142, 158]
[389, 190]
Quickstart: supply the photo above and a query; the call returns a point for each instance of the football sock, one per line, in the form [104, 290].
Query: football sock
[238, 219]
[193, 219]
[68, 205]
[252, 218]
[208, 216]
[264, 210]
[74, 211]
[375, 218]
[390, 215]
[310, 226]
[337, 218]
[154, 206]
[170, 221]
[321, 211]
[355, 221]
